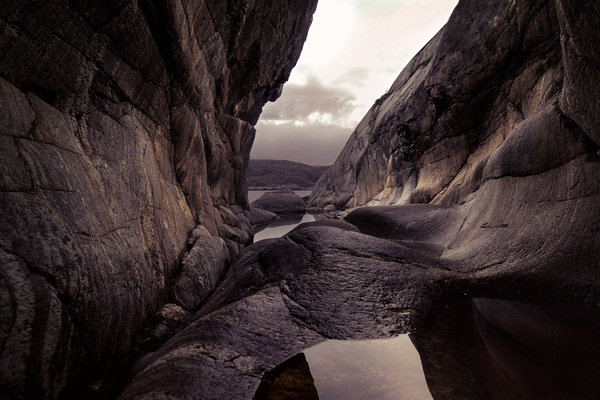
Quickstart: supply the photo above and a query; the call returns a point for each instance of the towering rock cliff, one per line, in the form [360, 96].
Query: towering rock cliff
[495, 83]
[126, 128]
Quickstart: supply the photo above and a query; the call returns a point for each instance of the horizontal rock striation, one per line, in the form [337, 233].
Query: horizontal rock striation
[124, 125]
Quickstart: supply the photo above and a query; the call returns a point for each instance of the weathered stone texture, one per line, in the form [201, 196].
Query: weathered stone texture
[124, 124]
[494, 70]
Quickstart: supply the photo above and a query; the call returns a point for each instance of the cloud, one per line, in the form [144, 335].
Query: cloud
[309, 123]
[354, 52]
[313, 144]
[356, 76]
[309, 103]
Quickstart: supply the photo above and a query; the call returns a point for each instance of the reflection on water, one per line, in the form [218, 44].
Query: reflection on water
[255, 194]
[387, 369]
[282, 225]
[477, 349]
[291, 380]
[500, 349]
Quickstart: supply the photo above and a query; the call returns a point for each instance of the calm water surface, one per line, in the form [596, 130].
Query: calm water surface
[386, 369]
[282, 226]
[477, 349]
[255, 194]
[284, 223]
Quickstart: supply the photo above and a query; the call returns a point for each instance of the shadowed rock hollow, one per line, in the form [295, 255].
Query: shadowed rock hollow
[125, 129]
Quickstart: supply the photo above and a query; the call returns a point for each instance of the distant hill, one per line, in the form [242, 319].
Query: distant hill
[282, 174]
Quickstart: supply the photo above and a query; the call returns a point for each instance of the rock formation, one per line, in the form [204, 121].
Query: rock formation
[128, 124]
[494, 126]
[469, 108]
[280, 202]
[125, 125]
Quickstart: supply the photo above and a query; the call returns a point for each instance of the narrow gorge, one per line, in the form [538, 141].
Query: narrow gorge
[470, 190]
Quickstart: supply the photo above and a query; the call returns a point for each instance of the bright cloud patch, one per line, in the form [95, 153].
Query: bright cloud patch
[310, 123]
[354, 51]
[310, 103]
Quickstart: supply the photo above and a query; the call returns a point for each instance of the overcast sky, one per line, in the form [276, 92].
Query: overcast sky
[354, 52]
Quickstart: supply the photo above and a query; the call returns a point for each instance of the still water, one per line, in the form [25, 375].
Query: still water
[255, 194]
[284, 223]
[477, 349]
[386, 369]
[281, 226]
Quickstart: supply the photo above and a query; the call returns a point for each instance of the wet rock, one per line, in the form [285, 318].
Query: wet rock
[259, 216]
[290, 380]
[281, 202]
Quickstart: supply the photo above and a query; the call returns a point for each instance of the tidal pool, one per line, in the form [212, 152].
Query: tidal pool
[476, 349]
[387, 369]
[284, 223]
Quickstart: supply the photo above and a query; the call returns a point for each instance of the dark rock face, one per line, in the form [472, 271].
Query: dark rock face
[259, 216]
[124, 125]
[280, 202]
[201, 269]
[282, 174]
[291, 380]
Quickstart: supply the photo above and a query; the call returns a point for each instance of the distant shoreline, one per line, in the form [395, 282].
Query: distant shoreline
[279, 188]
